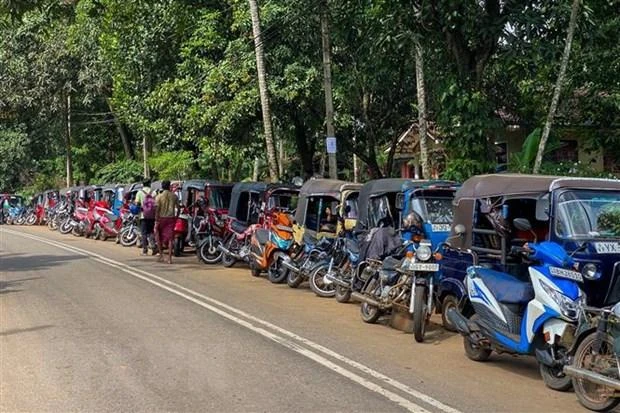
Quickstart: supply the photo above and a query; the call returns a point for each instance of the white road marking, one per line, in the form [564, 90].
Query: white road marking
[167, 285]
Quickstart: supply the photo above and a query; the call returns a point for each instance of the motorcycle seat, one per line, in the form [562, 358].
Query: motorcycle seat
[262, 236]
[506, 288]
[390, 263]
[238, 226]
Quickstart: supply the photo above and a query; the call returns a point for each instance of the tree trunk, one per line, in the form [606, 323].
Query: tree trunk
[145, 156]
[305, 149]
[281, 156]
[327, 84]
[68, 143]
[422, 125]
[255, 169]
[356, 169]
[558, 86]
[122, 132]
[272, 159]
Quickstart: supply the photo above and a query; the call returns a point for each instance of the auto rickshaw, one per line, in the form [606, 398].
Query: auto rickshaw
[582, 215]
[113, 195]
[325, 208]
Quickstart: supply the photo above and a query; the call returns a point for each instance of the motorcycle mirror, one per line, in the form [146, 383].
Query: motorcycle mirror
[459, 229]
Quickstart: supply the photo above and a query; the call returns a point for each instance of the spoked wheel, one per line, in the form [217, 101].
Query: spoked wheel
[209, 252]
[370, 313]
[31, 220]
[294, 279]
[129, 237]
[232, 245]
[594, 396]
[65, 227]
[318, 284]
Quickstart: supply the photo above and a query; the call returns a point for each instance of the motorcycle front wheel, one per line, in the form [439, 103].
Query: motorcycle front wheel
[276, 272]
[31, 220]
[318, 284]
[65, 227]
[343, 294]
[420, 313]
[232, 244]
[208, 251]
[594, 396]
[129, 237]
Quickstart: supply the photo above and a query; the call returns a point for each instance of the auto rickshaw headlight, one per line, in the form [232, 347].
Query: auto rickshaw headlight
[423, 253]
[590, 272]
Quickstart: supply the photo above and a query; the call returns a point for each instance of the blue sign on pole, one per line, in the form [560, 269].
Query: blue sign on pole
[330, 143]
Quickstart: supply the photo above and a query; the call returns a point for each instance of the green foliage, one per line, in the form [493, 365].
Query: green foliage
[176, 165]
[609, 220]
[122, 171]
[460, 169]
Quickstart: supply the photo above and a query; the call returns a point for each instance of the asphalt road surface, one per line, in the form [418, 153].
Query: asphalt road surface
[91, 326]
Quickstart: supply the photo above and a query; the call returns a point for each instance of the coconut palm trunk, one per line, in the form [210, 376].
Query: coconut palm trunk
[272, 159]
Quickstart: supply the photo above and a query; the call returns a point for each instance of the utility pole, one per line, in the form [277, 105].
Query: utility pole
[330, 141]
[272, 159]
[68, 141]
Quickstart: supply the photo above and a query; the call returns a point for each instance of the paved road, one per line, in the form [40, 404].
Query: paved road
[86, 325]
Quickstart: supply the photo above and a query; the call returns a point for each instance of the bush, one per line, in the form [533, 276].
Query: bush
[125, 171]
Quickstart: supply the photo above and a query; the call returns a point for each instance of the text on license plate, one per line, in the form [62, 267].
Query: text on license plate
[607, 247]
[418, 266]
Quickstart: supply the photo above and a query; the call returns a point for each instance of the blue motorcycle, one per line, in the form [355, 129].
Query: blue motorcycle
[533, 314]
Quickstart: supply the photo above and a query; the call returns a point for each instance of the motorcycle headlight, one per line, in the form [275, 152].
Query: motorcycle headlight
[568, 307]
[423, 253]
[590, 272]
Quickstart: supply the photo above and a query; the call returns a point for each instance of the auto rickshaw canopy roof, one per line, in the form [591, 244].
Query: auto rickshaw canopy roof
[321, 187]
[486, 186]
[238, 189]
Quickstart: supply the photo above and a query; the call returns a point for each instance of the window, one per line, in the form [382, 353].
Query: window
[321, 214]
[567, 152]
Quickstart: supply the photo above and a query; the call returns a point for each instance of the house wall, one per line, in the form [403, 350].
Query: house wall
[514, 138]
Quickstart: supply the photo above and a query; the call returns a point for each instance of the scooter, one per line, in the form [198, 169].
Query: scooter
[534, 317]
[268, 247]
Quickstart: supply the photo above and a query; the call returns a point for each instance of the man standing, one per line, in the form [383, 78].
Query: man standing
[146, 202]
[165, 219]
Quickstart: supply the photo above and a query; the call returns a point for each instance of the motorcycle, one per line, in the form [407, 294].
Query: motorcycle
[301, 265]
[534, 317]
[208, 236]
[595, 370]
[107, 225]
[130, 231]
[79, 221]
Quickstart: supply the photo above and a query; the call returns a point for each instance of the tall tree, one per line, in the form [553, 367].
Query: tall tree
[272, 159]
[558, 85]
[327, 85]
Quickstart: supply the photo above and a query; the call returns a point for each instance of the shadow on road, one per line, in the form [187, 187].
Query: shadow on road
[24, 330]
[16, 263]
[9, 286]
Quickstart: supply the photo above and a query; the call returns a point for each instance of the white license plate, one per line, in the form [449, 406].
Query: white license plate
[607, 247]
[568, 274]
[419, 266]
[440, 227]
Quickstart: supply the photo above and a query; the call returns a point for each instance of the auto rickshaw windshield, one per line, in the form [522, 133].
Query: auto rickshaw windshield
[433, 209]
[283, 200]
[588, 214]
[219, 198]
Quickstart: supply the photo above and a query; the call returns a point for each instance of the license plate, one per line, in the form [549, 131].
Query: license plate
[564, 273]
[419, 266]
[440, 227]
[607, 247]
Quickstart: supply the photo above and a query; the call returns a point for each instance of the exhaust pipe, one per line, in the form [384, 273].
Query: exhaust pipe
[361, 297]
[592, 377]
[225, 250]
[288, 264]
[337, 281]
[459, 321]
